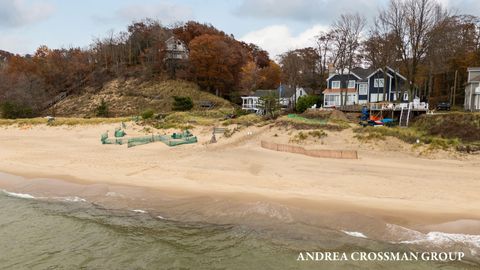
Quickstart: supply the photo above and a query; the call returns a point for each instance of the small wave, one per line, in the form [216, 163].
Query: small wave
[18, 195]
[72, 199]
[139, 211]
[114, 194]
[160, 217]
[355, 234]
[440, 238]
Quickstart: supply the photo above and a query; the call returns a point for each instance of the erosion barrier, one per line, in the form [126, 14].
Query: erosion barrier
[340, 154]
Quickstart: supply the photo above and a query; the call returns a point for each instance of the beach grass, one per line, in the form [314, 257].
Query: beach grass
[62, 121]
[299, 122]
[409, 135]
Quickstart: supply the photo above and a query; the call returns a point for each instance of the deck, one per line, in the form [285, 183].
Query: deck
[387, 106]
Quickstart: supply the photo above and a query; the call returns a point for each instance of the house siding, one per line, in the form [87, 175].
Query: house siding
[390, 83]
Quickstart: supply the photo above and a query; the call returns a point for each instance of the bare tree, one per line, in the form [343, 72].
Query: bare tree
[324, 48]
[346, 33]
[411, 21]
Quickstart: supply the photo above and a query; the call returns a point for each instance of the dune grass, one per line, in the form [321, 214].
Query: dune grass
[63, 121]
[409, 135]
[299, 122]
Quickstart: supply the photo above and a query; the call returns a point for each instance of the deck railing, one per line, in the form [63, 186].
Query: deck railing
[387, 106]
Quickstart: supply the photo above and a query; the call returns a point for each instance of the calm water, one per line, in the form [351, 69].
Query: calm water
[42, 234]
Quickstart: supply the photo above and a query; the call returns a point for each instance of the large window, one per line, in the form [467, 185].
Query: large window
[335, 84]
[363, 89]
[332, 100]
[376, 97]
[351, 84]
[351, 99]
[378, 83]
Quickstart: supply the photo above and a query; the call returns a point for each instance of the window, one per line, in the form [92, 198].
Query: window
[351, 84]
[405, 96]
[376, 97]
[332, 100]
[351, 99]
[335, 84]
[378, 83]
[363, 89]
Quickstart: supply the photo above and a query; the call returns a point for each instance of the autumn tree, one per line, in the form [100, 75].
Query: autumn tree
[217, 62]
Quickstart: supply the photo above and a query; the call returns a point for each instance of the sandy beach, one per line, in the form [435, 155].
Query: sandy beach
[389, 180]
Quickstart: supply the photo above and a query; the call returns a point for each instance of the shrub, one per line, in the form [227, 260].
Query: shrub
[147, 114]
[306, 102]
[318, 134]
[182, 103]
[270, 104]
[102, 109]
[13, 111]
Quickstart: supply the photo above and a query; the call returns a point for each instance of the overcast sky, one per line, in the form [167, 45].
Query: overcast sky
[275, 25]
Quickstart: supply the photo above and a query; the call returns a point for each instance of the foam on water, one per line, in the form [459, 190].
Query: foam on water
[355, 234]
[31, 197]
[18, 195]
[72, 199]
[440, 238]
[433, 238]
[139, 211]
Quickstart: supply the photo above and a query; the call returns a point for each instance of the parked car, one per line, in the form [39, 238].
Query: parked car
[443, 106]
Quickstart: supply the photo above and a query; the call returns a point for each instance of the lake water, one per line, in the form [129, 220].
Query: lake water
[73, 233]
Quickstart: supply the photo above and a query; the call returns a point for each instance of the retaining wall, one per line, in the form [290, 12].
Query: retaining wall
[340, 154]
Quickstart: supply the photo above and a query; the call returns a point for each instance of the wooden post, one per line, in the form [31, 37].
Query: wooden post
[454, 88]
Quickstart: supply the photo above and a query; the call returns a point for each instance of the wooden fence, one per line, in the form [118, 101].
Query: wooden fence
[340, 154]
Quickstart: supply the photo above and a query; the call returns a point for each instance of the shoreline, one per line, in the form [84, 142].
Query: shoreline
[384, 186]
[311, 211]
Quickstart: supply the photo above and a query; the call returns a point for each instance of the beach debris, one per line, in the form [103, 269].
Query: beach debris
[119, 133]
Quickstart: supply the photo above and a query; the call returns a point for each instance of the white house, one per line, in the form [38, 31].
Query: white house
[175, 49]
[287, 96]
[472, 90]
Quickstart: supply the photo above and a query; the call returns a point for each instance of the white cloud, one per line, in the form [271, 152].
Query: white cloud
[15, 13]
[164, 11]
[324, 11]
[277, 39]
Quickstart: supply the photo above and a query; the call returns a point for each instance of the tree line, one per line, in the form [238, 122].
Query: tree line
[217, 62]
[428, 44]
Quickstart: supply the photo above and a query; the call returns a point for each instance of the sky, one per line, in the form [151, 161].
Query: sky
[275, 25]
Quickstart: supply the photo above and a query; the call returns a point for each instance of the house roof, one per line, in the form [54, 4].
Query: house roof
[363, 72]
[339, 90]
[286, 91]
[265, 92]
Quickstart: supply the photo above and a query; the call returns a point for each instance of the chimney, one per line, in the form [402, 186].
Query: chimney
[331, 69]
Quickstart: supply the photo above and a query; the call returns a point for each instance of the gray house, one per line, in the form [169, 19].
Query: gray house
[472, 90]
